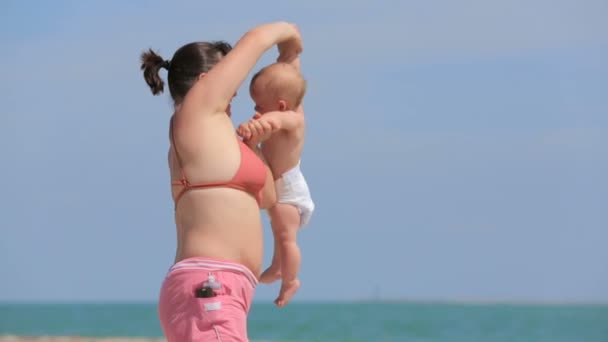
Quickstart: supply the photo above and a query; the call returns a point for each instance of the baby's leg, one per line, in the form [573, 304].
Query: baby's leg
[286, 224]
[273, 272]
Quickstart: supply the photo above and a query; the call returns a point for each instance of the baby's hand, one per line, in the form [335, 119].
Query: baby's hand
[255, 131]
[243, 131]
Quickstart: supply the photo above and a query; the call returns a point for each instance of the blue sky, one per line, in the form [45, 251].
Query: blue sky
[456, 150]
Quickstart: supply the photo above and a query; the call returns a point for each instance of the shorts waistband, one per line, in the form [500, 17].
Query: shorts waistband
[209, 264]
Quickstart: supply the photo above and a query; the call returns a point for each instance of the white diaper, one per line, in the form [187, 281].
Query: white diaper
[292, 189]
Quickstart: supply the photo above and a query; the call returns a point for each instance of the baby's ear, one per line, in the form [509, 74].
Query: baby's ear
[282, 105]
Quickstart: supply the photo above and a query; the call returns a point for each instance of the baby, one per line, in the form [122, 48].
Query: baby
[278, 90]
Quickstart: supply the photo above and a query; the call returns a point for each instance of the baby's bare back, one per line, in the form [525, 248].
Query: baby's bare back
[282, 151]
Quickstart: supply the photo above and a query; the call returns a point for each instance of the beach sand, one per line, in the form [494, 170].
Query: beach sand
[75, 339]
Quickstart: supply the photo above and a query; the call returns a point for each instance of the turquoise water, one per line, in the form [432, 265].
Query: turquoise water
[332, 321]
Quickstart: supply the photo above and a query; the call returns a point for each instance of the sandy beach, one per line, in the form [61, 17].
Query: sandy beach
[75, 339]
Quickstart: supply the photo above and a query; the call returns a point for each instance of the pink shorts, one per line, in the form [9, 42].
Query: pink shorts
[187, 318]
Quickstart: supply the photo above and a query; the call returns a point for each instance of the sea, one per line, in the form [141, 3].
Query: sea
[332, 322]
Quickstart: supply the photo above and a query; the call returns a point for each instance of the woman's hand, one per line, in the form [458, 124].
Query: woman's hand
[291, 48]
[255, 131]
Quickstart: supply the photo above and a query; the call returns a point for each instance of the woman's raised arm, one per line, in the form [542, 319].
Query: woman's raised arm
[214, 90]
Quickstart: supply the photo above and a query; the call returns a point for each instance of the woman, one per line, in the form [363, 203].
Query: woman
[218, 185]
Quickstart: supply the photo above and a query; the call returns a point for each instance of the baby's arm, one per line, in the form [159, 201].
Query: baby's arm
[254, 131]
[296, 63]
[284, 120]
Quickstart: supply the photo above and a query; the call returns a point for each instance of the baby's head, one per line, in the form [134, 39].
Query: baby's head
[277, 87]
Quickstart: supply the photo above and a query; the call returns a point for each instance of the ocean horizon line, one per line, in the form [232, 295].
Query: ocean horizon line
[416, 301]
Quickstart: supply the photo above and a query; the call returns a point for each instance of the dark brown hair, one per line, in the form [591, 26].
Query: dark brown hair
[184, 68]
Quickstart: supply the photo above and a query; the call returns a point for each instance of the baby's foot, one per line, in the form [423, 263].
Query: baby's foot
[287, 291]
[270, 275]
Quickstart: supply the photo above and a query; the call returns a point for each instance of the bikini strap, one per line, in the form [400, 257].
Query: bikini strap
[184, 180]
